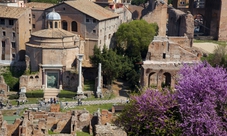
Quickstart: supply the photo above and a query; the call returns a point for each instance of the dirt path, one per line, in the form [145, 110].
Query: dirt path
[207, 47]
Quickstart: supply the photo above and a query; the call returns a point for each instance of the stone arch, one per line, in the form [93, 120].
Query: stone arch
[36, 76]
[74, 26]
[64, 25]
[152, 79]
[31, 77]
[166, 79]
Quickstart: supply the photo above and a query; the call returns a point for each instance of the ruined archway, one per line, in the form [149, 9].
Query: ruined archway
[166, 82]
[152, 80]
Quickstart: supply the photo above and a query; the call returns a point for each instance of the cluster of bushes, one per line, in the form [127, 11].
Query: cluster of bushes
[35, 94]
[197, 107]
[66, 94]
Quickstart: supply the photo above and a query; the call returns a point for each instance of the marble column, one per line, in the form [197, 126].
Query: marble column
[99, 87]
[60, 81]
[43, 78]
[79, 88]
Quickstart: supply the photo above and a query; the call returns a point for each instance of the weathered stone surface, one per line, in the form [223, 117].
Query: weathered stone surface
[108, 130]
[54, 107]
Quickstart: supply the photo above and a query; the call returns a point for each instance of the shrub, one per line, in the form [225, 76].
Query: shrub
[66, 94]
[11, 81]
[152, 113]
[13, 96]
[35, 94]
[202, 97]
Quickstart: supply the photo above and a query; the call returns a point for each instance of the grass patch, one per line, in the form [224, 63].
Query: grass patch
[8, 112]
[82, 134]
[66, 94]
[89, 85]
[92, 108]
[210, 41]
[51, 132]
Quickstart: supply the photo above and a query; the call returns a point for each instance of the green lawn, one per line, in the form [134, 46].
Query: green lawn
[91, 108]
[89, 85]
[82, 134]
[10, 119]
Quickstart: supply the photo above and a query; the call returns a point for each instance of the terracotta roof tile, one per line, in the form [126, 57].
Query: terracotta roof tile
[12, 12]
[91, 9]
[38, 5]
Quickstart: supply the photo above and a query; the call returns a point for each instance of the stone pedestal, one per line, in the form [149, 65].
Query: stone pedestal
[22, 95]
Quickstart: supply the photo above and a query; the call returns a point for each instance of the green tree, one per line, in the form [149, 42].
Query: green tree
[134, 38]
[113, 65]
[139, 2]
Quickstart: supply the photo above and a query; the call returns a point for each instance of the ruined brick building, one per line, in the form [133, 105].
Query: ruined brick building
[209, 16]
[166, 54]
[39, 123]
[14, 32]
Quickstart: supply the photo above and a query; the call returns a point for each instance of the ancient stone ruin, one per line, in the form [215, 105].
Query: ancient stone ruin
[38, 123]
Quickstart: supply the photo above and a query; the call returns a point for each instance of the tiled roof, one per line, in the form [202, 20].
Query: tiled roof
[90, 8]
[12, 12]
[38, 5]
[52, 33]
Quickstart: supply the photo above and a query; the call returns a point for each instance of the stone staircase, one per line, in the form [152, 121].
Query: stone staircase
[50, 93]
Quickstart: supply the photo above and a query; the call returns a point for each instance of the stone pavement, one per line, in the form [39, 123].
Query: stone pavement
[70, 104]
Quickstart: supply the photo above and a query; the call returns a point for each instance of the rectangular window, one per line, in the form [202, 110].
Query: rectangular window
[3, 44]
[4, 33]
[33, 25]
[14, 35]
[11, 22]
[87, 20]
[33, 16]
[164, 55]
[94, 31]
[2, 21]
[13, 45]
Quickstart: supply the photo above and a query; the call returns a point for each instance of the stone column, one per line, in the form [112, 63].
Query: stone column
[79, 88]
[43, 78]
[60, 81]
[99, 87]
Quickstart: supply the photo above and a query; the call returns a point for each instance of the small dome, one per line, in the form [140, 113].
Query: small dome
[53, 16]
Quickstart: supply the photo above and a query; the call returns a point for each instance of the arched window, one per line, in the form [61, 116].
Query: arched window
[74, 26]
[64, 25]
[56, 24]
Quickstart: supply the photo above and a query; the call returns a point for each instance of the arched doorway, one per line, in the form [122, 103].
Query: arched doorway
[64, 25]
[152, 80]
[166, 80]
